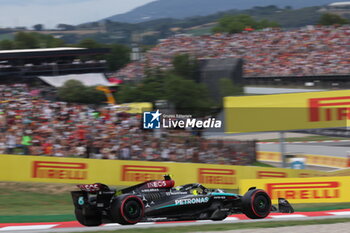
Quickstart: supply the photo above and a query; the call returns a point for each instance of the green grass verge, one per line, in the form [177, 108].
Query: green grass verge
[25, 203]
[260, 164]
[320, 207]
[308, 138]
[232, 226]
[20, 207]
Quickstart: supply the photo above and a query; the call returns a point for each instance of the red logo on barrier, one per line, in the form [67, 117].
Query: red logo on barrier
[143, 173]
[270, 174]
[318, 110]
[304, 190]
[59, 170]
[216, 176]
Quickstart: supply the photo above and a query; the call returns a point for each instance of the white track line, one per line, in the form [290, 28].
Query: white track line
[289, 216]
[231, 219]
[340, 213]
[22, 228]
[204, 221]
[117, 224]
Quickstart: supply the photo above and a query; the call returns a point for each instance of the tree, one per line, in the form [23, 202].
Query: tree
[71, 91]
[185, 66]
[229, 24]
[332, 19]
[237, 23]
[227, 88]
[188, 96]
[127, 93]
[65, 27]
[48, 41]
[119, 57]
[264, 23]
[92, 96]
[25, 40]
[7, 45]
[75, 91]
[89, 44]
[38, 27]
[31, 40]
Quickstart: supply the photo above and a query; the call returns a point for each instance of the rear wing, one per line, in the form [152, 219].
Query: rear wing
[150, 184]
[93, 188]
[97, 195]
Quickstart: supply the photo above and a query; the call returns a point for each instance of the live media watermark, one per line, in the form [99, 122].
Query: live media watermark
[157, 120]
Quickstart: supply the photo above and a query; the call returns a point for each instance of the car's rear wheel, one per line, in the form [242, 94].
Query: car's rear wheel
[256, 203]
[127, 210]
[88, 217]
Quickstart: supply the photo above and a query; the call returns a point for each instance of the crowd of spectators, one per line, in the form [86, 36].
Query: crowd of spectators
[312, 50]
[32, 125]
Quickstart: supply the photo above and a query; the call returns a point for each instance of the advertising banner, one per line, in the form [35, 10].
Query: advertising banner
[125, 172]
[283, 112]
[303, 190]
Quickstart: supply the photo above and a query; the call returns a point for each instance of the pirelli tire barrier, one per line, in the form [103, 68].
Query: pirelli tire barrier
[303, 190]
[287, 112]
[317, 160]
[19, 168]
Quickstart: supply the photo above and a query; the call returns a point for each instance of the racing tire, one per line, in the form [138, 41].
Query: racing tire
[88, 217]
[127, 209]
[256, 203]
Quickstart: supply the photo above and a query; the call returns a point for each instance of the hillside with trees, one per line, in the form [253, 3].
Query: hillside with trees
[148, 33]
[181, 9]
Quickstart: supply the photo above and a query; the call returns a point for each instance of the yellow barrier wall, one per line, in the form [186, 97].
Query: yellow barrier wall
[303, 190]
[283, 112]
[123, 172]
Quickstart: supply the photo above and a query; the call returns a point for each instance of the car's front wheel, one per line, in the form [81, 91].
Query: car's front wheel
[256, 203]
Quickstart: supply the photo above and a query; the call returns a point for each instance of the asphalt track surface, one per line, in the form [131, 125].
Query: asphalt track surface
[276, 90]
[111, 227]
[319, 228]
[337, 149]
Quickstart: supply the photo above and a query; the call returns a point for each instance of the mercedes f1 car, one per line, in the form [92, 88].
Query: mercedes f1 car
[159, 200]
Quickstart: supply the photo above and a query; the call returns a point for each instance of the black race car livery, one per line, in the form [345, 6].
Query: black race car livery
[159, 200]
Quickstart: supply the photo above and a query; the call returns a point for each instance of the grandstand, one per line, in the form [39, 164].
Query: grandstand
[26, 64]
[311, 54]
[32, 125]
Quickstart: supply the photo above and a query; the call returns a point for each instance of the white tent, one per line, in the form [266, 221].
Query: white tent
[92, 79]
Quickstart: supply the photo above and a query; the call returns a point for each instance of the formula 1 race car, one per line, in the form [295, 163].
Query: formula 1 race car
[159, 200]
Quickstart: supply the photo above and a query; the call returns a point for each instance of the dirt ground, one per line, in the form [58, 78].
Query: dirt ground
[38, 187]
